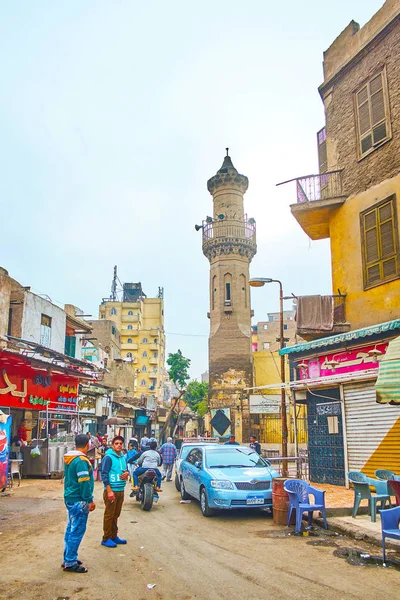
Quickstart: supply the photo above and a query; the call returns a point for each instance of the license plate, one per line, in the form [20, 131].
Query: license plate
[255, 500]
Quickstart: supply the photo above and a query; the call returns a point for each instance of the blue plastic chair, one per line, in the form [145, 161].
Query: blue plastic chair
[299, 491]
[361, 484]
[384, 474]
[390, 519]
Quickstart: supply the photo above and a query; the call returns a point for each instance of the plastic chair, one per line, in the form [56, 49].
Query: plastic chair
[394, 487]
[361, 484]
[299, 492]
[384, 474]
[390, 519]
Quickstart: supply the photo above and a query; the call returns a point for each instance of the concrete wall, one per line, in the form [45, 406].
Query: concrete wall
[102, 329]
[380, 303]
[5, 295]
[34, 307]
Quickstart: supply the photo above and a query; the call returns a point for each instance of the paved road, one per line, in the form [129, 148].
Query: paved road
[232, 556]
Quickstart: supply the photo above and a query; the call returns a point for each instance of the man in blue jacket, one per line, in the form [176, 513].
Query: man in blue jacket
[114, 475]
[78, 498]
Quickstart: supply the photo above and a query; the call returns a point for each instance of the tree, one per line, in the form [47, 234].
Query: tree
[179, 374]
[196, 397]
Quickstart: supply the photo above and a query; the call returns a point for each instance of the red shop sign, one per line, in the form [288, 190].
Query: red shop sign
[23, 386]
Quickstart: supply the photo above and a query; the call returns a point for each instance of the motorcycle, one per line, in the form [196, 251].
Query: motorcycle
[147, 494]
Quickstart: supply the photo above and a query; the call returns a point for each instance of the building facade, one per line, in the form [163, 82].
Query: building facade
[229, 243]
[140, 322]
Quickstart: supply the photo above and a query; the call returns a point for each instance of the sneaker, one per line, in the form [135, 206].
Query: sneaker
[135, 489]
[132, 494]
[109, 543]
[163, 477]
[118, 540]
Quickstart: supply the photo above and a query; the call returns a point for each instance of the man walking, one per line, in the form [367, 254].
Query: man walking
[114, 475]
[78, 498]
[255, 445]
[169, 453]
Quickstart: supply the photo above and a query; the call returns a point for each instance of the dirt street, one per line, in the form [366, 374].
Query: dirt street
[232, 556]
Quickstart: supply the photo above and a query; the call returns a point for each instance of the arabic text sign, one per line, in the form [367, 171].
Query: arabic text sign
[265, 404]
[22, 386]
[350, 361]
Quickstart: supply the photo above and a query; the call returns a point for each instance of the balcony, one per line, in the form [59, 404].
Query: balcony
[129, 332]
[129, 346]
[223, 236]
[135, 318]
[317, 197]
[321, 316]
[154, 347]
[153, 361]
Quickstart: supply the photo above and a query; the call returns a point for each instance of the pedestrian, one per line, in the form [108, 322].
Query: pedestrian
[134, 442]
[144, 442]
[114, 475]
[78, 498]
[169, 453]
[150, 459]
[232, 441]
[255, 445]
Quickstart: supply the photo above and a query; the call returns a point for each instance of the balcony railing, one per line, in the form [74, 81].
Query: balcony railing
[229, 228]
[319, 187]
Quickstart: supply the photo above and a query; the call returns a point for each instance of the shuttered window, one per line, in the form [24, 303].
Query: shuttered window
[322, 153]
[372, 110]
[380, 241]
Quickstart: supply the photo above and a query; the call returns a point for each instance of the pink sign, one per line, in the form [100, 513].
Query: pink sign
[358, 359]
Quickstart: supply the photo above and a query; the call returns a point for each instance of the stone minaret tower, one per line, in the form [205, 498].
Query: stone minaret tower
[229, 243]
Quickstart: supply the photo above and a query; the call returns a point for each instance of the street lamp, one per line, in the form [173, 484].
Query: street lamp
[260, 282]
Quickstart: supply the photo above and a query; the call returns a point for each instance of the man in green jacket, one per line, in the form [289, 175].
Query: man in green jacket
[78, 498]
[114, 474]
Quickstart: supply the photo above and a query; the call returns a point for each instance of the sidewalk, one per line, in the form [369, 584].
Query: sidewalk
[339, 505]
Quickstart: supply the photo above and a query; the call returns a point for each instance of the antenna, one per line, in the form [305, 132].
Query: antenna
[114, 285]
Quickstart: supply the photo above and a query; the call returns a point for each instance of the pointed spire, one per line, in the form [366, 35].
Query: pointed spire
[227, 165]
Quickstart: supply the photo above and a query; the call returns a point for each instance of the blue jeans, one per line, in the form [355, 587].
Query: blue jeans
[141, 470]
[78, 513]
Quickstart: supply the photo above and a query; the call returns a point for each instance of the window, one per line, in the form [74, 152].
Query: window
[129, 355]
[145, 341]
[373, 117]
[144, 355]
[265, 326]
[155, 354]
[380, 243]
[129, 327]
[143, 382]
[154, 369]
[266, 346]
[45, 331]
[213, 291]
[284, 326]
[113, 330]
[113, 311]
[103, 316]
[144, 368]
[129, 340]
[227, 291]
[322, 154]
[155, 340]
[130, 313]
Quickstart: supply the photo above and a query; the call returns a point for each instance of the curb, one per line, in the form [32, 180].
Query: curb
[357, 533]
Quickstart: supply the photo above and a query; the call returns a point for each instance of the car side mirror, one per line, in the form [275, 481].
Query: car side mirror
[197, 464]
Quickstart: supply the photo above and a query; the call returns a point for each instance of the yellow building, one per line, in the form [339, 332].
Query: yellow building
[140, 321]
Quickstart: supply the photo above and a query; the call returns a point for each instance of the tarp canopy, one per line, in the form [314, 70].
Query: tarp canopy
[388, 383]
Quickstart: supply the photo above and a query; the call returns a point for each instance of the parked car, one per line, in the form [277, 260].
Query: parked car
[226, 477]
[187, 445]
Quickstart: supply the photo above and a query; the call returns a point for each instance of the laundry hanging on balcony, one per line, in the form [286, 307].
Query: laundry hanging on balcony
[388, 383]
[315, 313]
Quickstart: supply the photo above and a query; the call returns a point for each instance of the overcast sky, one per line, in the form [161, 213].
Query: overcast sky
[115, 113]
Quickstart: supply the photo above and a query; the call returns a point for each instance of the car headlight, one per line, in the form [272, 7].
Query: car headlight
[222, 485]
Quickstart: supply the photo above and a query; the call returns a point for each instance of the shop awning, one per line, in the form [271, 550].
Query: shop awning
[142, 420]
[388, 382]
[333, 340]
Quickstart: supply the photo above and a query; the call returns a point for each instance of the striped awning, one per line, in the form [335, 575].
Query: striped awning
[388, 383]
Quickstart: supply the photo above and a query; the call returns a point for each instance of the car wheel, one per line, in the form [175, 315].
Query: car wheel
[184, 494]
[205, 509]
[177, 483]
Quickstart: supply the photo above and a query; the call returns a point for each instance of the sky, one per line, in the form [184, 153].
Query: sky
[113, 116]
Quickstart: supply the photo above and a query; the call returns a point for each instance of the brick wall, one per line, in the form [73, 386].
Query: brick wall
[384, 162]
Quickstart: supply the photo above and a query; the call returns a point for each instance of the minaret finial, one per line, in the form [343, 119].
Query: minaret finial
[227, 151]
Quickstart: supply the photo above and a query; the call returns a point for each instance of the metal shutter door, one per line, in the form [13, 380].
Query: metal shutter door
[368, 425]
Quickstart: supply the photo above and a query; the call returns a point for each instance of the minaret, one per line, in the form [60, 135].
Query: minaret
[229, 243]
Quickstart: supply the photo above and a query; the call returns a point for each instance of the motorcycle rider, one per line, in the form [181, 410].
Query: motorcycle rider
[150, 459]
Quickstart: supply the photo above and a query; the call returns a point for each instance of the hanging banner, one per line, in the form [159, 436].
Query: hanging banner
[23, 386]
[5, 435]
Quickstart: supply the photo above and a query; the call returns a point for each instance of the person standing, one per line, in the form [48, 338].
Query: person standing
[78, 498]
[232, 441]
[169, 453]
[114, 475]
[134, 442]
[255, 445]
[144, 442]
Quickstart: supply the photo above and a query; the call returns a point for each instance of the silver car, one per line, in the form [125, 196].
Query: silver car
[187, 445]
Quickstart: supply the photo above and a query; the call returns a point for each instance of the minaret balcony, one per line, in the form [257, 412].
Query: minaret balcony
[229, 236]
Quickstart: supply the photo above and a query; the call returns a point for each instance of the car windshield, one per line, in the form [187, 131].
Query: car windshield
[233, 457]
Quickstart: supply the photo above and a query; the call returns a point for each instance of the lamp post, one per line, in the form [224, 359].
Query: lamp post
[260, 282]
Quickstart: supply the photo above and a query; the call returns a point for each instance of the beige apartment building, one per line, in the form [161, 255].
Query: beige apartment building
[140, 321]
